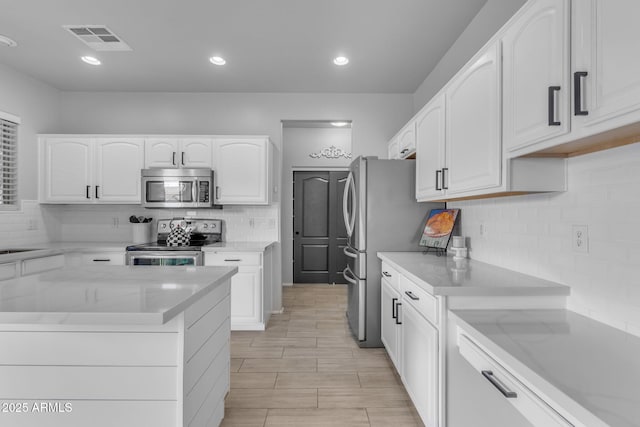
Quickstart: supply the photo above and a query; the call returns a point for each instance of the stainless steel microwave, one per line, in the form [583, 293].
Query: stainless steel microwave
[177, 188]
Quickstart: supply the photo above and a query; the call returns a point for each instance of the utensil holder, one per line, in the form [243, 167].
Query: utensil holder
[141, 232]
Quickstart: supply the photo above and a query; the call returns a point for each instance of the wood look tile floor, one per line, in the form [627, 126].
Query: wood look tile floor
[306, 370]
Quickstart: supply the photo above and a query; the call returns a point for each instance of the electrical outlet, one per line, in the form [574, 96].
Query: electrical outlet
[483, 230]
[580, 238]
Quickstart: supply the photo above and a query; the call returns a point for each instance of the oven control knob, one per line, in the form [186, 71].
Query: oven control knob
[206, 226]
[164, 225]
[213, 225]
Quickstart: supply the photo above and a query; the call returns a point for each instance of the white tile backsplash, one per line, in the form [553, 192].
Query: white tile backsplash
[110, 223]
[23, 227]
[532, 234]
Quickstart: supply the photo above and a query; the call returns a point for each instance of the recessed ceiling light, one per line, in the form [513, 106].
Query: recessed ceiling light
[91, 60]
[7, 41]
[341, 60]
[217, 60]
[339, 124]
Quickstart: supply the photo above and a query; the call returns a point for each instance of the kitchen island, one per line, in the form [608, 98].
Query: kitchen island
[106, 346]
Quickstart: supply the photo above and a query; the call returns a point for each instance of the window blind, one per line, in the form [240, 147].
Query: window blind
[8, 164]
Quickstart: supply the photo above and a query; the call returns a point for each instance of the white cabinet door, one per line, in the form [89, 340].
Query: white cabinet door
[393, 151]
[161, 153]
[407, 140]
[420, 363]
[118, 165]
[430, 146]
[246, 296]
[474, 149]
[390, 332]
[68, 170]
[536, 75]
[241, 168]
[196, 153]
[605, 43]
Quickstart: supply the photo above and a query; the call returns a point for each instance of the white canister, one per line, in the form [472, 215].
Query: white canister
[141, 232]
[458, 242]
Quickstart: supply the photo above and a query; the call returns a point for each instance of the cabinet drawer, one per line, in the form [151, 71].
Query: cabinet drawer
[103, 258]
[426, 304]
[233, 258]
[529, 404]
[38, 265]
[7, 271]
[390, 275]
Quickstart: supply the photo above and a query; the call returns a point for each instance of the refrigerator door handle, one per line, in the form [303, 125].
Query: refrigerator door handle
[349, 221]
[348, 277]
[350, 252]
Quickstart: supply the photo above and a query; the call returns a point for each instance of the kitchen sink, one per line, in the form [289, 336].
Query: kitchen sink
[14, 251]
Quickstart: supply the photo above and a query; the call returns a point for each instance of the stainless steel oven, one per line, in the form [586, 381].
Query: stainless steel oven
[177, 188]
[165, 258]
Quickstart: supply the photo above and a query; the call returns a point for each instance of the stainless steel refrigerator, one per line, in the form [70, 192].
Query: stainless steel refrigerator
[380, 214]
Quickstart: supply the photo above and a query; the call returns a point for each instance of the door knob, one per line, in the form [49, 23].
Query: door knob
[297, 232]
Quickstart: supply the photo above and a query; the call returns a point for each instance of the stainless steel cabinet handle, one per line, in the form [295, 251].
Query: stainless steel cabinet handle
[394, 314]
[552, 105]
[182, 158]
[398, 322]
[233, 259]
[445, 185]
[88, 187]
[386, 274]
[438, 172]
[97, 187]
[498, 384]
[217, 192]
[101, 260]
[173, 158]
[411, 295]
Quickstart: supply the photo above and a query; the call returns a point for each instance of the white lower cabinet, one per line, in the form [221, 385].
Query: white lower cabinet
[39, 265]
[419, 363]
[412, 341]
[502, 382]
[249, 288]
[390, 325]
[8, 271]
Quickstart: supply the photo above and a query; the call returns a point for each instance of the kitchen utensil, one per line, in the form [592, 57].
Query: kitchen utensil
[133, 219]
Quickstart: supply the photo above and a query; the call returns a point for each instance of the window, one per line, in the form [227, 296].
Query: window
[8, 161]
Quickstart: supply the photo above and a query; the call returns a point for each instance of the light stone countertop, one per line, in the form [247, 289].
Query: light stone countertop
[57, 248]
[442, 275]
[107, 294]
[586, 367]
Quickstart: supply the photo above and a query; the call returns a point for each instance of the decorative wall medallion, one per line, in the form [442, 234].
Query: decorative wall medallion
[330, 153]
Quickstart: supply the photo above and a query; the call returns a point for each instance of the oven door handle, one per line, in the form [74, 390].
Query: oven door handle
[196, 191]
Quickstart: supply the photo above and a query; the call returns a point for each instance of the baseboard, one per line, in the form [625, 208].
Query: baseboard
[247, 326]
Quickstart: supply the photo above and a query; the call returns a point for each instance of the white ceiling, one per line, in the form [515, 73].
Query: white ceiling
[269, 45]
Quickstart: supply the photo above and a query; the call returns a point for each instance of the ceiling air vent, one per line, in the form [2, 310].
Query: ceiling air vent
[97, 37]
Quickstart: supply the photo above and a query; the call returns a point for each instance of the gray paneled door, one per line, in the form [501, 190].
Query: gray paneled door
[319, 234]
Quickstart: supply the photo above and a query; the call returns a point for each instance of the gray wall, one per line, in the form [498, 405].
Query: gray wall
[37, 105]
[487, 22]
[298, 143]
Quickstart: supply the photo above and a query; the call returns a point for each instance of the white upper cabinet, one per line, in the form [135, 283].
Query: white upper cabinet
[91, 170]
[473, 155]
[407, 140]
[606, 64]
[66, 170]
[536, 74]
[196, 152]
[393, 151]
[178, 152]
[430, 148]
[242, 168]
[118, 163]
